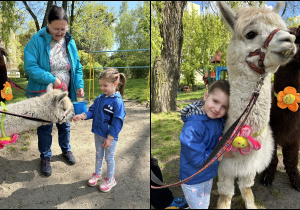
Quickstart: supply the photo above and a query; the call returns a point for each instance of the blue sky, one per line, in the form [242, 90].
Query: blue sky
[269, 3]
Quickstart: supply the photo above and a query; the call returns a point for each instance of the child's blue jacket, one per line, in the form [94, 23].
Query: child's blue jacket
[198, 137]
[108, 115]
[37, 63]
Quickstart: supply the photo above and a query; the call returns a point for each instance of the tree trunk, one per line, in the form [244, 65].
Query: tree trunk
[65, 6]
[166, 70]
[37, 25]
[72, 16]
[49, 4]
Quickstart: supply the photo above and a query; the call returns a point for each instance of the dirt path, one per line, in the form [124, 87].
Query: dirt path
[22, 186]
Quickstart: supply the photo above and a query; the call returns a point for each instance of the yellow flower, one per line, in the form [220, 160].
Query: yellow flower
[288, 98]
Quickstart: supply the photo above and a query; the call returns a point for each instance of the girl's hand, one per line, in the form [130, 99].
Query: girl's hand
[77, 117]
[107, 143]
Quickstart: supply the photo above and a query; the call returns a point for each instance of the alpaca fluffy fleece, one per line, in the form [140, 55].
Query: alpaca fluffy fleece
[243, 81]
[54, 106]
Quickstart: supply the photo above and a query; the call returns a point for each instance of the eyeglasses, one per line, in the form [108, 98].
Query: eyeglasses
[59, 30]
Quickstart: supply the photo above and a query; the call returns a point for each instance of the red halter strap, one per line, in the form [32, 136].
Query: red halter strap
[260, 69]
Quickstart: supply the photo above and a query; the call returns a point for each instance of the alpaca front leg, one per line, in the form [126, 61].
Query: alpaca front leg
[245, 184]
[248, 198]
[226, 191]
[224, 201]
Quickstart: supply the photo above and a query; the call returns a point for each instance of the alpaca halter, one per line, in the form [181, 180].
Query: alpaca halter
[261, 69]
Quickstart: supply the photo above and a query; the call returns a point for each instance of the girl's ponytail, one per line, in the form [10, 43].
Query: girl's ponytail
[121, 84]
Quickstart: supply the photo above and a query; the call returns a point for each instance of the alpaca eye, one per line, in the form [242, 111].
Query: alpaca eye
[251, 35]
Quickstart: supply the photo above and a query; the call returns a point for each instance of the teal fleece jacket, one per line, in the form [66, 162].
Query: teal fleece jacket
[37, 63]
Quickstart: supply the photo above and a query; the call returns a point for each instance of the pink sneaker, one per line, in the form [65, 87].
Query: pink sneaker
[107, 184]
[93, 181]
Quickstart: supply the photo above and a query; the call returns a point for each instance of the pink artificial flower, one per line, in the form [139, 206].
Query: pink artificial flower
[243, 142]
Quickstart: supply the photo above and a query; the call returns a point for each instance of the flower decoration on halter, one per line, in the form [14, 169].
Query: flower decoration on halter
[117, 77]
[6, 93]
[244, 142]
[288, 98]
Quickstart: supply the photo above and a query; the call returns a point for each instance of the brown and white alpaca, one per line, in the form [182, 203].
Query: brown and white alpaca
[285, 123]
[250, 28]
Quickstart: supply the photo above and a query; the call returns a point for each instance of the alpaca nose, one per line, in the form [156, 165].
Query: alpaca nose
[287, 38]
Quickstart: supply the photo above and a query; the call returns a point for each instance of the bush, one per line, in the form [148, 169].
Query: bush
[139, 73]
[22, 70]
[86, 70]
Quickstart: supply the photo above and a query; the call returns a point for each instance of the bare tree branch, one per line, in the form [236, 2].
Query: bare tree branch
[285, 6]
[37, 25]
[49, 4]
[65, 5]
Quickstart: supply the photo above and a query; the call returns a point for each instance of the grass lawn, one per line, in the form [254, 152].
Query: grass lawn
[135, 89]
[165, 131]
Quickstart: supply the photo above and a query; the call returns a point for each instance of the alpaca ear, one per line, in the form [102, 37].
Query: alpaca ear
[278, 6]
[228, 14]
[49, 87]
[56, 100]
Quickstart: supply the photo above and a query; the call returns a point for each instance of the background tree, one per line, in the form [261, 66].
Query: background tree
[166, 70]
[8, 20]
[132, 33]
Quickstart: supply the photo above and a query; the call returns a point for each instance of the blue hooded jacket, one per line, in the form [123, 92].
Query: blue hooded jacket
[198, 137]
[37, 63]
[108, 115]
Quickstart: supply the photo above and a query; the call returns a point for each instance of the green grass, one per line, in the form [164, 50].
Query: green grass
[135, 89]
[191, 95]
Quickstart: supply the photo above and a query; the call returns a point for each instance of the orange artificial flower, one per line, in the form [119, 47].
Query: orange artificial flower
[6, 93]
[288, 98]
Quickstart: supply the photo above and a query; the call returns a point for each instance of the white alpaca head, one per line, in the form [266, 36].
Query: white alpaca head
[250, 28]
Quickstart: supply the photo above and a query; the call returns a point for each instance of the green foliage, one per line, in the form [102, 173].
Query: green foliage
[86, 70]
[137, 73]
[8, 20]
[156, 39]
[132, 32]
[204, 36]
[135, 89]
[93, 28]
[293, 21]
[83, 57]
[22, 70]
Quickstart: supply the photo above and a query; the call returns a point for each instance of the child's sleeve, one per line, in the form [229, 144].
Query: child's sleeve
[90, 113]
[192, 144]
[118, 118]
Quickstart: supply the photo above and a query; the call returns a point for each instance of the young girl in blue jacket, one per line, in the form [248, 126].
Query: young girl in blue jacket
[203, 125]
[107, 112]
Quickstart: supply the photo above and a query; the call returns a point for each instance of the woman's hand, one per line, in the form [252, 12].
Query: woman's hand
[56, 83]
[80, 92]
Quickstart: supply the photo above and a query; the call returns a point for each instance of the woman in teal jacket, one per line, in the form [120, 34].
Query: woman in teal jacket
[51, 57]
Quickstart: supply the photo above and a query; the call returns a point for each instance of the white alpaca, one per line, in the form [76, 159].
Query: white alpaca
[250, 28]
[54, 106]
